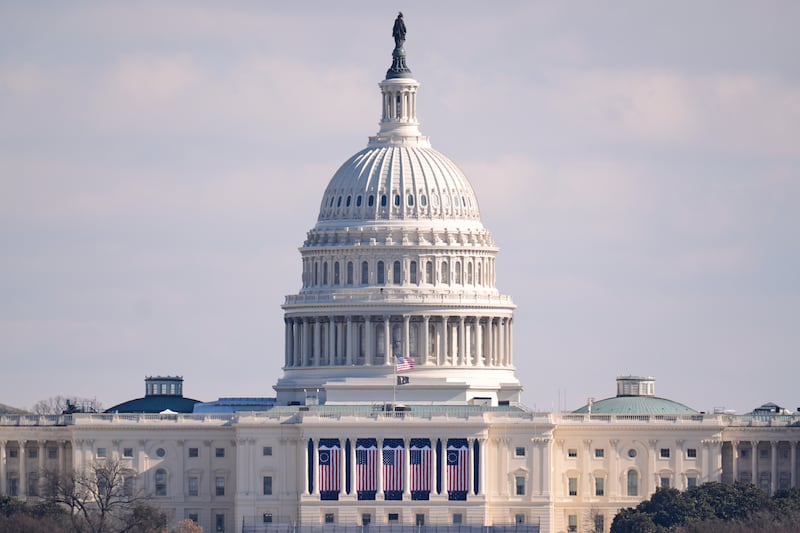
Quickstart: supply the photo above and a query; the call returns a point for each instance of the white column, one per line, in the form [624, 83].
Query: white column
[3, 489]
[306, 466]
[793, 463]
[350, 336]
[503, 323]
[460, 352]
[406, 336]
[652, 485]
[369, 328]
[331, 339]
[23, 471]
[287, 342]
[387, 342]
[444, 467]
[315, 462]
[490, 341]
[754, 463]
[380, 468]
[317, 344]
[478, 341]
[406, 468]
[613, 469]
[680, 476]
[424, 355]
[445, 341]
[773, 474]
[510, 342]
[468, 337]
[735, 460]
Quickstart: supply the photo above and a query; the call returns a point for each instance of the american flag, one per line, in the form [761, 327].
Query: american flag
[366, 463]
[404, 363]
[392, 468]
[457, 467]
[420, 466]
[330, 460]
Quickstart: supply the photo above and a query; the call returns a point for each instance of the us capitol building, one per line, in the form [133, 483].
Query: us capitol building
[399, 404]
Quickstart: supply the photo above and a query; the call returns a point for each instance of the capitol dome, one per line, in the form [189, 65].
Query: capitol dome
[398, 268]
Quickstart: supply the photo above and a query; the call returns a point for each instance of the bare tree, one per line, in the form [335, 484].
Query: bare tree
[56, 405]
[102, 498]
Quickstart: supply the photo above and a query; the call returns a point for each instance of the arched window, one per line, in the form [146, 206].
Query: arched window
[445, 273]
[480, 279]
[469, 273]
[161, 482]
[423, 200]
[429, 272]
[396, 272]
[413, 272]
[364, 273]
[381, 273]
[336, 273]
[358, 201]
[397, 200]
[383, 200]
[349, 272]
[371, 200]
[333, 199]
[458, 272]
[316, 273]
[347, 202]
[339, 202]
[325, 273]
[633, 483]
[410, 200]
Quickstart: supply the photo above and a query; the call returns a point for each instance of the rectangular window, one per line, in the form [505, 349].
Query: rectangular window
[458, 518]
[127, 452]
[413, 272]
[13, 487]
[219, 452]
[519, 518]
[599, 453]
[691, 482]
[599, 523]
[267, 518]
[572, 452]
[194, 452]
[329, 518]
[219, 484]
[12, 452]
[764, 453]
[599, 486]
[691, 453]
[393, 518]
[664, 482]
[419, 519]
[101, 453]
[665, 453]
[267, 485]
[572, 522]
[52, 453]
[366, 519]
[219, 520]
[573, 486]
[33, 453]
[520, 485]
[193, 517]
[127, 486]
[194, 486]
[519, 451]
[745, 454]
[266, 450]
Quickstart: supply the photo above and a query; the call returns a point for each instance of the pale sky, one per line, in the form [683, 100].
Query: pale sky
[638, 163]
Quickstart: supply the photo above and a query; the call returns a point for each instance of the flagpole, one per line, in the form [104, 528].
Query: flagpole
[394, 386]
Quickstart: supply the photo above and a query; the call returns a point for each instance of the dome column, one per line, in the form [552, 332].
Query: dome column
[331, 339]
[317, 340]
[406, 336]
[387, 341]
[350, 340]
[478, 341]
[423, 339]
[461, 350]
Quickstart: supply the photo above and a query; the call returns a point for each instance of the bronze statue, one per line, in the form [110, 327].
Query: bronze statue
[399, 31]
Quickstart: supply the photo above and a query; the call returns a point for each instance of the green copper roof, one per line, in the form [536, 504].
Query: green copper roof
[639, 405]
